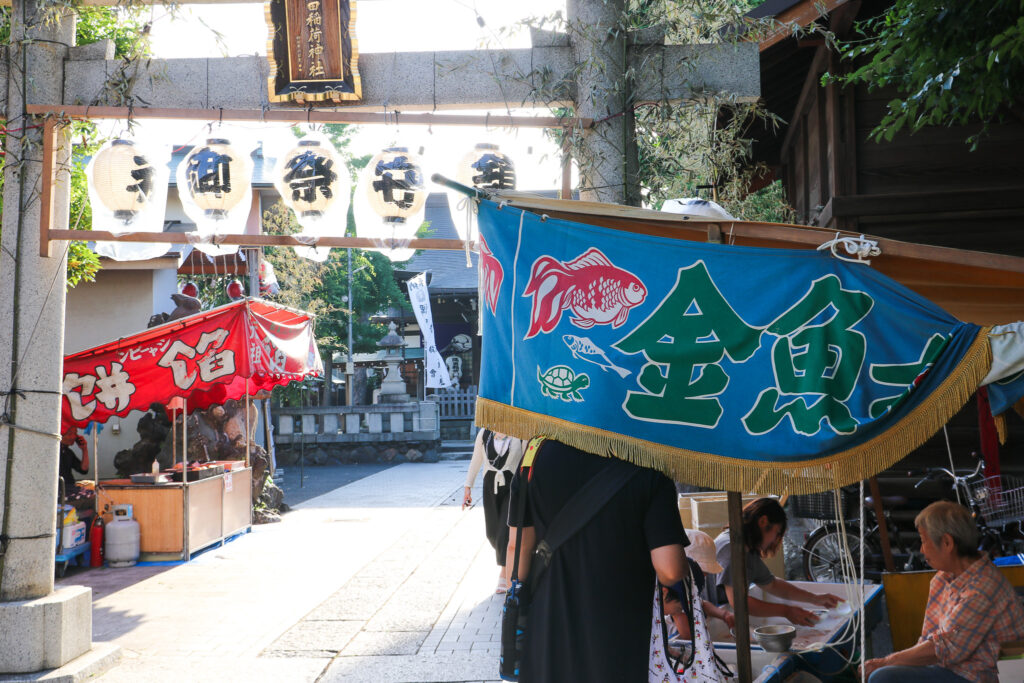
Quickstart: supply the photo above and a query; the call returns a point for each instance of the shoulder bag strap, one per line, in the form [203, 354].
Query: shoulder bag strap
[579, 510]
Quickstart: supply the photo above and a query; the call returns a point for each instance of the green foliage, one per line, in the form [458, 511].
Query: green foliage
[952, 63]
[125, 26]
[696, 146]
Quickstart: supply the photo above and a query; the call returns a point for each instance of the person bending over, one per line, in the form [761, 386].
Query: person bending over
[971, 608]
[764, 525]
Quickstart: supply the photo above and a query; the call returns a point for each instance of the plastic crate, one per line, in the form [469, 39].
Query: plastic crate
[823, 505]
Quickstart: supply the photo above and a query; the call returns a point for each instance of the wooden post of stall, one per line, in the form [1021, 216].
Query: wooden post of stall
[738, 567]
[883, 528]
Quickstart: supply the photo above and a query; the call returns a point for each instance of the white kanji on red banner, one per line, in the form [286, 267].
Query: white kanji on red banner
[211, 366]
[112, 388]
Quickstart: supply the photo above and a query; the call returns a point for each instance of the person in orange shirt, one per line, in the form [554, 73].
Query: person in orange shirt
[971, 609]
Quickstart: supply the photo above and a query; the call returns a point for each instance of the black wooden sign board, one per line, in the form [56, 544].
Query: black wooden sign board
[313, 51]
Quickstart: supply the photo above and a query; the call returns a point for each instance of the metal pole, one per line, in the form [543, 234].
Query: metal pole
[351, 311]
[186, 555]
[739, 586]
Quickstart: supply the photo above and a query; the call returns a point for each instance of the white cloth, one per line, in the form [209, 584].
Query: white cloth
[703, 668]
[515, 448]
[1007, 343]
[434, 366]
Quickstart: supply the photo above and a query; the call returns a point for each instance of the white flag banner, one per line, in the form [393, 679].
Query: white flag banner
[437, 371]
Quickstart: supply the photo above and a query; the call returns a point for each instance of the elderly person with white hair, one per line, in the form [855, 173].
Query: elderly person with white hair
[971, 609]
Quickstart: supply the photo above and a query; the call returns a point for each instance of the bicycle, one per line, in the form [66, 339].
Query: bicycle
[997, 504]
[824, 550]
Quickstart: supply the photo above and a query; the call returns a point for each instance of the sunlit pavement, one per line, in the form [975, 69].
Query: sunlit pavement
[385, 579]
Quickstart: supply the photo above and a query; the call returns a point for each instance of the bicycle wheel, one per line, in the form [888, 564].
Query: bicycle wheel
[823, 554]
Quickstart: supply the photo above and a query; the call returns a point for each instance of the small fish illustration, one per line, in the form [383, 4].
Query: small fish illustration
[584, 349]
[598, 292]
[491, 274]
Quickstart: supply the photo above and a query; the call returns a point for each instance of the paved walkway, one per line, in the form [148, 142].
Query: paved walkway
[384, 580]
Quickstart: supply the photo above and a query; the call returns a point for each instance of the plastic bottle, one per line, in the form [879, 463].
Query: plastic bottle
[156, 466]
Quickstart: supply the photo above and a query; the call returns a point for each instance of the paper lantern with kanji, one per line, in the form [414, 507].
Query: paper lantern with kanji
[122, 178]
[312, 180]
[487, 168]
[389, 202]
[218, 177]
[395, 188]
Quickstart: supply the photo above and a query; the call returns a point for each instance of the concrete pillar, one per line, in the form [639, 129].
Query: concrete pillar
[42, 628]
[32, 315]
[602, 93]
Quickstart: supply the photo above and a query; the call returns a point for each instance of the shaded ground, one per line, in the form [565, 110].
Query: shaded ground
[317, 480]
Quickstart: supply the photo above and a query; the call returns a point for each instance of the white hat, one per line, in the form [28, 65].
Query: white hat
[702, 551]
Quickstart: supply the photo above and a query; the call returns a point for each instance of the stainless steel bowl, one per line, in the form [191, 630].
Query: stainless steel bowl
[775, 637]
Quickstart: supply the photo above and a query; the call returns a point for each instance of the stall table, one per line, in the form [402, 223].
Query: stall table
[176, 519]
[774, 668]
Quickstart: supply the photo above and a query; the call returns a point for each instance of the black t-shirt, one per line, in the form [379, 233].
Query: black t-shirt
[69, 463]
[589, 619]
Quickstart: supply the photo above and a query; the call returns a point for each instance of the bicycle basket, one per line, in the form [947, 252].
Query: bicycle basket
[1000, 499]
[823, 505]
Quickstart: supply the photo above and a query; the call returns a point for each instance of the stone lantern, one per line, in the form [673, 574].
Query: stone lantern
[392, 388]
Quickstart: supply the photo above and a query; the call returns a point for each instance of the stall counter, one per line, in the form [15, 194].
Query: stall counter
[175, 519]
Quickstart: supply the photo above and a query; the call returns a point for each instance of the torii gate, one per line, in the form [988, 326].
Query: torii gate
[44, 69]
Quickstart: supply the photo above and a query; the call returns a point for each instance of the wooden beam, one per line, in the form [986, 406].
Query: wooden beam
[811, 82]
[883, 528]
[738, 567]
[283, 115]
[929, 202]
[801, 14]
[257, 240]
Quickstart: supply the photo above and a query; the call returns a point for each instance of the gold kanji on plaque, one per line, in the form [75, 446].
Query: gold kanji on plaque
[312, 51]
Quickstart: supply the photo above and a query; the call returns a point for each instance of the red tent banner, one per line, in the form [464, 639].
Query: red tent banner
[207, 358]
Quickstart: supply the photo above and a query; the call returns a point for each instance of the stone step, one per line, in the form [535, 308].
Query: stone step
[452, 445]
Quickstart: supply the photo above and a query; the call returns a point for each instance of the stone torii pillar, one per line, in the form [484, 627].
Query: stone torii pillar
[39, 628]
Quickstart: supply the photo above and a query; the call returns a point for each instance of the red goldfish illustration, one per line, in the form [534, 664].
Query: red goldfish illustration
[491, 274]
[598, 292]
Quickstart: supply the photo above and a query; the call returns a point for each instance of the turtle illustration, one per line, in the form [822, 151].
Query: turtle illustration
[561, 382]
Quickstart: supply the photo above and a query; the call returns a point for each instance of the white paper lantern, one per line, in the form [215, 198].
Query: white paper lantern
[396, 188]
[218, 177]
[122, 178]
[311, 179]
[389, 201]
[487, 168]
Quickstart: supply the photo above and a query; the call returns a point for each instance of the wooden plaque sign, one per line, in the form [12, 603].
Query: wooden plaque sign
[313, 51]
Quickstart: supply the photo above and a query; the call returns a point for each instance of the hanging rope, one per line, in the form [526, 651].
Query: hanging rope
[860, 248]
[949, 451]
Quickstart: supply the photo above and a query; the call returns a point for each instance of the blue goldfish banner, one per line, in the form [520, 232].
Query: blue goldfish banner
[732, 367]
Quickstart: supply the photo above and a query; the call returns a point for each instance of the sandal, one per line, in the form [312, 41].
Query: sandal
[502, 587]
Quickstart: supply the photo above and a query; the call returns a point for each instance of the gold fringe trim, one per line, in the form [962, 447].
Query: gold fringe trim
[1000, 422]
[732, 474]
[1019, 407]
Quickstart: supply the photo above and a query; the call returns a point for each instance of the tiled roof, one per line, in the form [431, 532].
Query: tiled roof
[449, 274]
